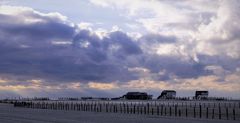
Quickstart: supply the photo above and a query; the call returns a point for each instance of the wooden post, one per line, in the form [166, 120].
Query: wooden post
[152, 112]
[161, 110]
[145, 110]
[207, 113]
[213, 113]
[148, 108]
[227, 113]
[134, 107]
[219, 113]
[170, 110]
[179, 113]
[137, 109]
[234, 117]
[186, 112]
[131, 110]
[114, 108]
[200, 112]
[91, 106]
[175, 110]
[110, 107]
[106, 107]
[194, 111]
[120, 108]
[165, 110]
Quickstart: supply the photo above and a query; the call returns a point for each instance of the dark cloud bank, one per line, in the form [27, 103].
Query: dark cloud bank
[56, 51]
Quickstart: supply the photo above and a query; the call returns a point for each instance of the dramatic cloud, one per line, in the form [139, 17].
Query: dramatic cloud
[45, 46]
[180, 45]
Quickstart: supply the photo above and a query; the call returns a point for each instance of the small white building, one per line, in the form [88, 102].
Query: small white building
[167, 94]
[201, 95]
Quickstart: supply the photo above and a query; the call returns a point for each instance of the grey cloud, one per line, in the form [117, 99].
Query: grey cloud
[174, 66]
[43, 60]
[156, 39]
[127, 44]
[88, 58]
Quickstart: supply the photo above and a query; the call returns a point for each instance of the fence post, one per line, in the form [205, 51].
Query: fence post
[194, 111]
[106, 106]
[200, 112]
[219, 110]
[161, 110]
[186, 112]
[134, 107]
[110, 107]
[137, 108]
[213, 113]
[175, 110]
[227, 112]
[165, 110]
[234, 117]
[114, 108]
[148, 108]
[124, 108]
[91, 106]
[179, 113]
[170, 110]
[120, 107]
[207, 113]
[145, 110]
[152, 111]
[131, 110]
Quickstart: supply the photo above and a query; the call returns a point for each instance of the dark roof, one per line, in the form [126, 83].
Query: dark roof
[168, 91]
[136, 93]
[201, 91]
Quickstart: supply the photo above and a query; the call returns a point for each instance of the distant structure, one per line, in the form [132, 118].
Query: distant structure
[137, 96]
[67, 98]
[167, 94]
[95, 98]
[86, 98]
[201, 95]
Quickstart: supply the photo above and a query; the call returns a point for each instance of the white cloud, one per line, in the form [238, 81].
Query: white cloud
[201, 25]
[28, 15]
[220, 37]
[85, 25]
[168, 59]
[151, 14]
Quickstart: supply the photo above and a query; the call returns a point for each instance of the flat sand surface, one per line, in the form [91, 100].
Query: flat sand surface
[10, 114]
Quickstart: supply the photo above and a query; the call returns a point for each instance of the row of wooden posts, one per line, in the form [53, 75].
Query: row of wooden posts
[126, 108]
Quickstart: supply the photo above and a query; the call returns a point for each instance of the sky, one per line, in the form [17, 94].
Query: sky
[105, 48]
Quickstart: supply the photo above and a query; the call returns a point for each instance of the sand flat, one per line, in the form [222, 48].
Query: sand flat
[10, 114]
